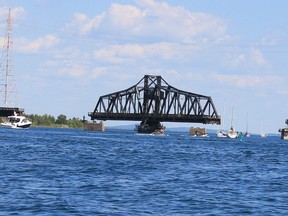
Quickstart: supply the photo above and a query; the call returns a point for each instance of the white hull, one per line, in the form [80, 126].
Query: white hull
[16, 122]
[203, 135]
[232, 135]
[221, 134]
[15, 126]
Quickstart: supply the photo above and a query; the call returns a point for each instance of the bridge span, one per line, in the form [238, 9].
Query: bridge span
[152, 100]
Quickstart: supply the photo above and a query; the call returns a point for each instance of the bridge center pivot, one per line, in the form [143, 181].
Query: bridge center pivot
[149, 126]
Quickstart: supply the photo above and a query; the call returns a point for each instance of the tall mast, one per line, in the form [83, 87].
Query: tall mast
[8, 85]
[232, 117]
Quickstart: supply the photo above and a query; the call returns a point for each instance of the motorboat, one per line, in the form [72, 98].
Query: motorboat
[222, 134]
[16, 122]
[158, 132]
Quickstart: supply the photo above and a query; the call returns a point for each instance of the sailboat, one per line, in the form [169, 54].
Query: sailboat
[232, 133]
[221, 133]
[246, 133]
[262, 134]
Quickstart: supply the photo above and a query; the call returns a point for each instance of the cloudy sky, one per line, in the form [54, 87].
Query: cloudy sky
[68, 53]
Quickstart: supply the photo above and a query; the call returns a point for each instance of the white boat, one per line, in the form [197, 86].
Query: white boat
[246, 133]
[232, 133]
[16, 122]
[262, 134]
[222, 134]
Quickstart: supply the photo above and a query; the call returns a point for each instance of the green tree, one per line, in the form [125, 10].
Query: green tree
[61, 119]
[75, 123]
[50, 121]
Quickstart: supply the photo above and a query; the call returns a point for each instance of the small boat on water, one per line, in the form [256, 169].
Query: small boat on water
[16, 122]
[232, 133]
[247, 134]
[222, 134]
[262, 134]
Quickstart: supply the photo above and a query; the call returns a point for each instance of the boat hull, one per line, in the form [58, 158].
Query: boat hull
[16, 122]
[222, 135]
[232, 134]
[15, 126]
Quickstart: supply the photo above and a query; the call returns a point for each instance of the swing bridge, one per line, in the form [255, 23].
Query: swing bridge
[152, 101]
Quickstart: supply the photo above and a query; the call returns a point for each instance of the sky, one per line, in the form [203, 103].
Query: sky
[68, 53]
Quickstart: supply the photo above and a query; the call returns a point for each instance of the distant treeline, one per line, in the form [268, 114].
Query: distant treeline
[50, 121]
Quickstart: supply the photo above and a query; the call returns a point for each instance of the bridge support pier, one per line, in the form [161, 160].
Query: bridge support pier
[148, 126]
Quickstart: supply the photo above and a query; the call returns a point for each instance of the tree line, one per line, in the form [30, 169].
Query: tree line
[50, 121]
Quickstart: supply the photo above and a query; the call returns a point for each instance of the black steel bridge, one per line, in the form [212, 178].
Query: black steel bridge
[152, 100]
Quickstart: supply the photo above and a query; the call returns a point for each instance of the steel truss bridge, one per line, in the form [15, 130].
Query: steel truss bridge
[152, 100]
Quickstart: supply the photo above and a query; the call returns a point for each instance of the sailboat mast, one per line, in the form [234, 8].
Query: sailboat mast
[247, 122]
[232, 117]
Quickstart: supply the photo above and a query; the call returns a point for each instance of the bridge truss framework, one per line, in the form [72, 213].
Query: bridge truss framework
[152, 100]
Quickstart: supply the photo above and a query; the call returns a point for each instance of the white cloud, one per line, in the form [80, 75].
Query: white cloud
[151, 19]
[132, 52]
[123, 17]
[99, 71]
[16, 13]
[46, 42]
[249, 57]
[82, 24]
[257, 56]
[74, 70]
[245, 81]
[272, 39]
[235, 61]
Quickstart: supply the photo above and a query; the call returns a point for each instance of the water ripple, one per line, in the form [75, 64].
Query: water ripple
[73, 172]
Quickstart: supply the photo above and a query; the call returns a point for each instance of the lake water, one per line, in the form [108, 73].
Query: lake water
[118, 172]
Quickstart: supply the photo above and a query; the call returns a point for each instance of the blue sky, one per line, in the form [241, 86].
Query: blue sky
[68, 53]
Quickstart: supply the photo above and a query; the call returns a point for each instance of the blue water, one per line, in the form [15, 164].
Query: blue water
[117, 172]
